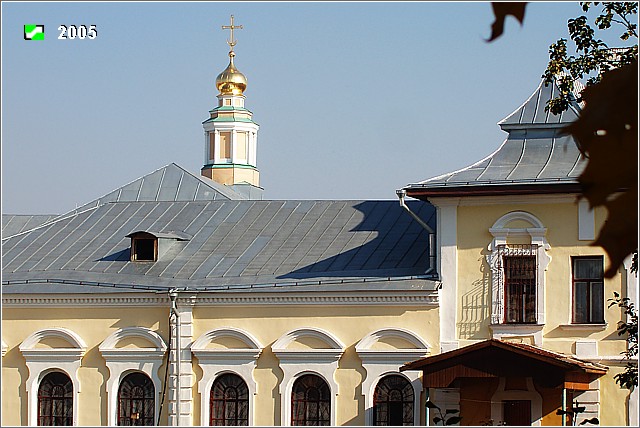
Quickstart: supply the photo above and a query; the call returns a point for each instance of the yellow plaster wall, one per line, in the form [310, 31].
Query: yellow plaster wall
[613, 400]
[267, 324]
[474, 289]
[348, 324]
[231, 175]
[93, 325]
[474, 276]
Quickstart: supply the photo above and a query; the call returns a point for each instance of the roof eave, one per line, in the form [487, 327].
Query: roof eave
[423, 192]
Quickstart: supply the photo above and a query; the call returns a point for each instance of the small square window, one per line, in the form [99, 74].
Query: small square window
[143, 249]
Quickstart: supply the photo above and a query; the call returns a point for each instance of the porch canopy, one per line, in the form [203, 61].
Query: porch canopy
[496, 358]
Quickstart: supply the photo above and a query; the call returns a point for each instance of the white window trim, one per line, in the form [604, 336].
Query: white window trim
[123, 361]
[381, 363]
[216, 362]
[537, 234]
[298, 362]
[497, 412]
[42, 361]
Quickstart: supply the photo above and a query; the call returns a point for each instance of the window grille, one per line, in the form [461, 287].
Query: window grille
[310, 402]
[518, 266]
[229, 401]
[55, 400]
[136, 403]
[393, 402]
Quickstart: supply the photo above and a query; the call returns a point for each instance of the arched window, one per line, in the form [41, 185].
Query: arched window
[310, 401]
[55, 400]
[393, 401]
[229, 401]
[136, 405]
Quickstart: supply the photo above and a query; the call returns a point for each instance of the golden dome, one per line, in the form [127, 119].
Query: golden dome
[231, 81]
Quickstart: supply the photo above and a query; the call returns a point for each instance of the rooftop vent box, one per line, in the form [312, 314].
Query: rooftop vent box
[148, 246]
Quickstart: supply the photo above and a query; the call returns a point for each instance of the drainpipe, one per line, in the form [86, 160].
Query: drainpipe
[401, 193]
[173, 295]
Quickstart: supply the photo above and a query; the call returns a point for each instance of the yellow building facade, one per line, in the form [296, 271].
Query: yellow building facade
[182, 299]
[523, 286]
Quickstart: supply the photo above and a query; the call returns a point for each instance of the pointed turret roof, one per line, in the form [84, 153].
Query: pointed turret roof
[536, 157]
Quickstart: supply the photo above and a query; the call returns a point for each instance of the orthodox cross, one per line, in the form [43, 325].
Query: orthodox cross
[232, 42]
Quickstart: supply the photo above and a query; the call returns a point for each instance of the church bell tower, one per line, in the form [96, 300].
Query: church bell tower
[231, 135]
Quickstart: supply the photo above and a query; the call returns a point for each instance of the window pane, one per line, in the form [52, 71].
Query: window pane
[310, 401]
[393, 401]
[587, 268]
[597, 302]
[229, 401]
[136, 403]
[55, 400]
[520, 289]
[580, 305]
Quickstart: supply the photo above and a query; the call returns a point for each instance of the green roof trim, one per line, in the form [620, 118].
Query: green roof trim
[229, 119]
[229, 108]
[229, 165]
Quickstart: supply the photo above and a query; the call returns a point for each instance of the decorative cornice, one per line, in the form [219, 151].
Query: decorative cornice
[423, 299]
[504, 200]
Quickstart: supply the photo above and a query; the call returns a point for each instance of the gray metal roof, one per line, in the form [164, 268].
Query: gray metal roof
[234, 244]
[14, 224]
[169, 183]
[536, 151]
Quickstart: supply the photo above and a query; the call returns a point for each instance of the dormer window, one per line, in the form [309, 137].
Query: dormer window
[144, 247]
[149, 246]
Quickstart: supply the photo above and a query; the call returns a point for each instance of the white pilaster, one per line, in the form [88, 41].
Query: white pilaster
[447, 237]
[182, 416]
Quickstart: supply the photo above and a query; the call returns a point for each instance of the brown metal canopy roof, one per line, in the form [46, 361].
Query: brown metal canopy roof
[496, 358]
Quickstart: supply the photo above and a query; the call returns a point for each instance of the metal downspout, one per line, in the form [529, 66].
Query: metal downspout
[173, 295]
[401, 193]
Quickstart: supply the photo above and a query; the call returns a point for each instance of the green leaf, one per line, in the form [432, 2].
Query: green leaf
[436, 420]
[430, 404]
[454, 420]
[449, 411]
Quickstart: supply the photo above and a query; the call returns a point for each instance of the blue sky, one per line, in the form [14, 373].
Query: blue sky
[354, 100]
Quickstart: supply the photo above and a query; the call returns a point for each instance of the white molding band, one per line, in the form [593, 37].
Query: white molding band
[216, 362]
[407, 298]
[42, 361]
[123, 361]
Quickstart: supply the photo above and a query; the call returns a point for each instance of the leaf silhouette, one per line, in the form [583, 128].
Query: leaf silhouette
[500, 11]
[453, 420]
[607, 134]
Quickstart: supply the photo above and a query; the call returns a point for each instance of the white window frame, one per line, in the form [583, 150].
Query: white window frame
[537, 236]
[216, 362]
[299, 362]
[42, 361]
[124, 361]
[381, 363]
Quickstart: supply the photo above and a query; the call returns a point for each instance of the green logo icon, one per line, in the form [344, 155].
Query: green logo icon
[33, 32]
